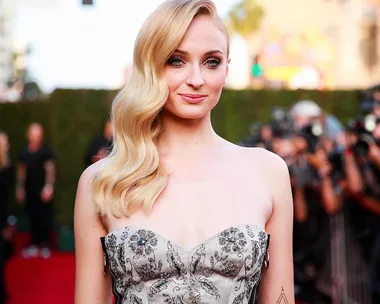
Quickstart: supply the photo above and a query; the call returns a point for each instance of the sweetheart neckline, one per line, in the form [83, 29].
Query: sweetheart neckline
[123, 228]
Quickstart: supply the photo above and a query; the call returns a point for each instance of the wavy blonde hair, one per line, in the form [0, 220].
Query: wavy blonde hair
[133, 176]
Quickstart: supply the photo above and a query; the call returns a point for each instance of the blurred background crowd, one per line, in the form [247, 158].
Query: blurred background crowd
[304, 83]
[335, 177]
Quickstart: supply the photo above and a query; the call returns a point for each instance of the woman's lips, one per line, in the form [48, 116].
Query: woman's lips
[193, 98]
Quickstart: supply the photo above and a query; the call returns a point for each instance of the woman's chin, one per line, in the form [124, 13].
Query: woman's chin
[188, 111]
[190, 116]
[194, 113]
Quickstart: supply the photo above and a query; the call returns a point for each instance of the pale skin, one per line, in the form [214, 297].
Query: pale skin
[212, 185]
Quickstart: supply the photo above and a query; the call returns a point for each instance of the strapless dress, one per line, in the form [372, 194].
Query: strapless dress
[147, 268]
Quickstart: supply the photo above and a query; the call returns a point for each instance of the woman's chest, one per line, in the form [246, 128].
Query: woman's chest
[192, 207]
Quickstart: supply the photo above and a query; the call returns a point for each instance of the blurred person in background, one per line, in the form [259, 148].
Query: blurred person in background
[35, 190]
[266, 136]
[374, 147]
[376, 102]
[303, 112]
[362, 157]
[335, 182]
[316, 196]
[302, 137]
[100, 145]
[6, 178]
[6, 185]
[260, 135]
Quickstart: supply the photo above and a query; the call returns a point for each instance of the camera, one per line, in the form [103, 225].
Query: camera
[282, 122]
[363, 128]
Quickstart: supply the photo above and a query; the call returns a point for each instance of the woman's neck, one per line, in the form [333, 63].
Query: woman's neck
[187, 135]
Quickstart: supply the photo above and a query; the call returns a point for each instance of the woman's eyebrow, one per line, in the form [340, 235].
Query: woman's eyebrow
[178, 51]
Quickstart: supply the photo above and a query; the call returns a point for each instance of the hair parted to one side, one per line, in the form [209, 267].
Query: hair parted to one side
[133, 176]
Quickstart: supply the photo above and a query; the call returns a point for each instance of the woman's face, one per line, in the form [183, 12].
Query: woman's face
[197, 70]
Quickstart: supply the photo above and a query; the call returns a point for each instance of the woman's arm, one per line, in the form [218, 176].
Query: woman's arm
[277, 285]
[91, 284]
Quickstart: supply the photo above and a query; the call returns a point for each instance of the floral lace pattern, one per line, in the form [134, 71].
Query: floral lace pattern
[148, 268]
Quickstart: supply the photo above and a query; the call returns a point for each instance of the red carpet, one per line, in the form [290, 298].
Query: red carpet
[40, 281]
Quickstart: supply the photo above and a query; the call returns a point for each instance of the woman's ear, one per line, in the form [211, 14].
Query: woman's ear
[228, 66]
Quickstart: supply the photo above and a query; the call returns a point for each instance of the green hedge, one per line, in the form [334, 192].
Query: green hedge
[72, 117]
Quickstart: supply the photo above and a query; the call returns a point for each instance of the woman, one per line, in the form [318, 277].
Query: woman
[184, 215]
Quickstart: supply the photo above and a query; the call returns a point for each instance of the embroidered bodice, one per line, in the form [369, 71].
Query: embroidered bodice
[148, 268]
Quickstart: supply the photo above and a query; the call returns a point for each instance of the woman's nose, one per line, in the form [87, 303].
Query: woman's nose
[195, 77]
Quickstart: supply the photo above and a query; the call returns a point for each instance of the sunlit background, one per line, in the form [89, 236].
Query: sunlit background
[308, 44]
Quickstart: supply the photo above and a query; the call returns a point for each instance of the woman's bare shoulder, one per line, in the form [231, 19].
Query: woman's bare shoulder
[84, 196]
[267, 162]
[92, 170]
[261, 156]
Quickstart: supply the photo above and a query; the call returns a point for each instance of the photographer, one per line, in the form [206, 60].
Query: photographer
[373, 148]
[260, 135]
[335, 182]
[362, 165]
[315, 197]
[318, 184]
[321, 162]
[376, 102]
[99, 147]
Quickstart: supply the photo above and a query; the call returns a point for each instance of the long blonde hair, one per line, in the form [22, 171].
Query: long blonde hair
[4, 146]
[133, 176]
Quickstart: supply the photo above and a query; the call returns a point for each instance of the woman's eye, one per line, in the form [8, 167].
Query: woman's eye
[213, 62]
[175, 61]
